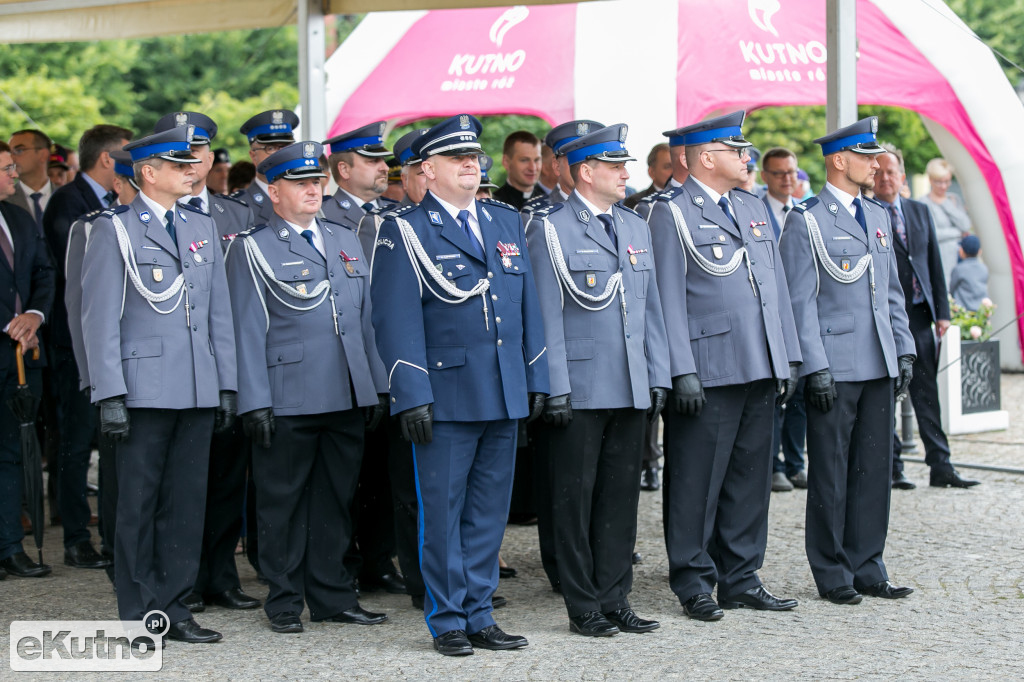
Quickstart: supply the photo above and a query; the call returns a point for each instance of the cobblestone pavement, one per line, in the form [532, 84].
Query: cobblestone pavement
[961, 550]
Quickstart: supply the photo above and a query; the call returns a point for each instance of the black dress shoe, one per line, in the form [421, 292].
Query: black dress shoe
[357, 615]
[901, 482]
[506, 572]
[649, 478]
[285, 622]
[3, 574]
[417, 601]
[886, 590]
[627, 621]
[845, 594]
[194, 602]
[950, 478]
[392, 583]
[556, 587]
[497, 601]
[492, 637]
[702, 607]
[453, 643]
[234, 599]
[757, 598]
[20, 565]
[638, 558]
[82, 555]
[190, 631]
[592, 624]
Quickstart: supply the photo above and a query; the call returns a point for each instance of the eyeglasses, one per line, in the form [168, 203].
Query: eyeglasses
[268, 147]
[18, 151]
[781, 174]
[740, 151]
[10, 169]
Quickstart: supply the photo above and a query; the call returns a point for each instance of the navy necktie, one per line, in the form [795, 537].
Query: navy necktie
[169, 217]
[477, 246]
[37, 209]
[110, 197]
[859, 215]
[724, 204]
[609, 228]
[308, 236]
[197, 202]
[367, 207]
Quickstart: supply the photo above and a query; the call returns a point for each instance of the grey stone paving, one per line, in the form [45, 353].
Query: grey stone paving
[962, 550]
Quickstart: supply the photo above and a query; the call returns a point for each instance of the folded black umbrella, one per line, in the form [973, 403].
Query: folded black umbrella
[24, 405]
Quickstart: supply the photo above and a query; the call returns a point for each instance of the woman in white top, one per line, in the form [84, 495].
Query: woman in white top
[951, 221]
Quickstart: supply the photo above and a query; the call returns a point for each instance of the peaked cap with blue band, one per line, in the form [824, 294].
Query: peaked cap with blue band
[368, 141]
[726, 129]
[173, 145]
[858, 138]
[203, 133]
[294, 162]
[122, 163]
[563, 134]
[455, 136]
[486, 163]
[605, 144]
[277, 125]
[403, 147]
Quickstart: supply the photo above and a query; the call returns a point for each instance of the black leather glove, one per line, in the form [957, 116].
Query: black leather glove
[659, 396]
[259, 425]
[114, 422]
[787, 387]
[536, 406]
[688, 395]
[906, 374]
[820, 390]
[558, 410]
[376, 413]
[224, 418]
[418, 424]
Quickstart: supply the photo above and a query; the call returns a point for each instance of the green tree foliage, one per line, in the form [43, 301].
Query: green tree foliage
[63, 108]
[230, 113]
[999, 24]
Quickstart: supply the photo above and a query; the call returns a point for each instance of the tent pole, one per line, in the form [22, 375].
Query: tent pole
[312, 47]
[841, 30]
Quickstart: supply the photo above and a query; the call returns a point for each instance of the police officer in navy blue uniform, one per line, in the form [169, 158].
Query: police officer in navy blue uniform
[309, 385]
[161, 355]
[359, 168]
[461, 336]
[858, 353]
[723, 290]
[217, 580]
[608, 363]
[267, 132]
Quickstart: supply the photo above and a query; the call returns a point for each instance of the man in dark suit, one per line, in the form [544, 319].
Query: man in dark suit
[26, 295]
[924, 287]
[92, 189]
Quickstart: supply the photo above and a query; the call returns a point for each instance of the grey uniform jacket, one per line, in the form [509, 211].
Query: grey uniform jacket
[594, 357]
[738, 330]
[180, 360]
[293, 360]
[254, 197]
[370, 224]
[77, 235]
[231, 215]
[855, 332]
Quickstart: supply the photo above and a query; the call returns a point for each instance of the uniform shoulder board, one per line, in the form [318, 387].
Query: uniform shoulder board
[876, 201]
[252, 230]
[627, 209]
[384, 208]
[666, 194]
[328, 221]
[117, 209]
[743, 191]
[92, 215]
[536, 203]
[804, 205]
[193, 209]
[495, 202]
[236, 197]
[402, 210]
[386, 201]
[547, 210]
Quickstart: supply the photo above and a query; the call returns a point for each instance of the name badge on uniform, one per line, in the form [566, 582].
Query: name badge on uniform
[591, 279]
[158, 274]
[486, 214]
[708, 227]
[435, 217]
[717, 251]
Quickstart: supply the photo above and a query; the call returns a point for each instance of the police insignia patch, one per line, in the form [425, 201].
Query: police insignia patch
[180, 119]
[182, 216]
[591, 279]
[435, 217]
[582, 129]
[345, 203]
[717, 251]
[308, 150]
[144, 216]
[277, 117]
[283, 234]
[464, 122]
[874, 124]
[585, 216]
[833, 208]
[258, 198]
[191, 132]
[698, 200]
[622, 133]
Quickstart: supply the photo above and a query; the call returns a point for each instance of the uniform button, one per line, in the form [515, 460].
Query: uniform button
[190, 286]
[195, 328]
[295, 276]
[280, 358]
[494, 297]
[134, 353]
[515, 267]
[497, 320]
[828, 330]
[490, 275]
[394, 400]
[449, 274]
[193, 306]
[186, 265]
[703, 331]
[335, 293]
[760, 282]
[499, 342]
[440, 364]
[845, 251]
[753, 262]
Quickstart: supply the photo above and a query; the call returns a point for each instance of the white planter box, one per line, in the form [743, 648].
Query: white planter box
[951, 390]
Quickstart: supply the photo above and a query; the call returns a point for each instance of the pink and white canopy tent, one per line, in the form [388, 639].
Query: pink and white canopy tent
[656, 64]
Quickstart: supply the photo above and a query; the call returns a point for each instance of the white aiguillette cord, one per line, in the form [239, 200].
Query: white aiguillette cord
[723, 270]
[866, 262]
[177, 287]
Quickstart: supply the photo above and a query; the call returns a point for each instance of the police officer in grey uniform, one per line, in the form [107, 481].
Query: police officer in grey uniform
[160, 350]
[557, 138]
[723, 289]
[608, 363]
[217, 581]
[127, 190]
[858, 353]
[267, 132]
[361, 173]
[309, 385]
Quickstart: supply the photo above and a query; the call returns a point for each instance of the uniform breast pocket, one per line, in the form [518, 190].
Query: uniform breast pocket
[641, 274]
[838, 339]
[203, 264]
[299, 276]
[284, 367]
[590, 272]
[142, 364]
[764, 250]
[445, 357]
[713, 243]
[157, 268]
[356, 273]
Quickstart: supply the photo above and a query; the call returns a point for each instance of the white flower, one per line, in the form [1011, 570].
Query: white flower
[975, 332]
[988, 302]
